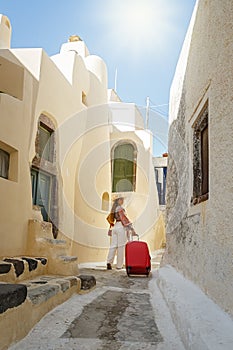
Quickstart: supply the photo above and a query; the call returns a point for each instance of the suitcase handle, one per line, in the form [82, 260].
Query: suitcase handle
[132, 236]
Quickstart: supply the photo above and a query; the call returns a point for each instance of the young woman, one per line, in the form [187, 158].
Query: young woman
[119, 234]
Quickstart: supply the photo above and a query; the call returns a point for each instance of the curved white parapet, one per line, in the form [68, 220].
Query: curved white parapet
[77, 46]
[97, 66]
[5, 32]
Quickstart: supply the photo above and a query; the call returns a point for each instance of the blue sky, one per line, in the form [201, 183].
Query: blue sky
[141, 38]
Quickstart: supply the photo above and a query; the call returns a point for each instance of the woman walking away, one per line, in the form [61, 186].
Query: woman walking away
[119, 233]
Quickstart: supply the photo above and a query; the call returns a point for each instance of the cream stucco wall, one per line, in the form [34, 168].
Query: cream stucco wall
[46, 84]
[15, 128]
[199, 237]
[71, 89]
[93, 151]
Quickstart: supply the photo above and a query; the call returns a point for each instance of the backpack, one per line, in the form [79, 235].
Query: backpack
[111, 218]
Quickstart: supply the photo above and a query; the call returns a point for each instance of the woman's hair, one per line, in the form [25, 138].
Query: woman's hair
[115, 205]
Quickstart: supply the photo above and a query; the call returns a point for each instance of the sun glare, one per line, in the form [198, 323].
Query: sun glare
[137, 17]
[140, 23]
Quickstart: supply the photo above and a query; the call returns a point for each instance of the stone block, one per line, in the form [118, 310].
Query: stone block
[42, 293]
[46, 278]
[54, 241]
[64, 284]
[4, 267]
[18, 265]
[73, 281]
[11, 295]
[68, 258]
[32, 263]
[87, 281]
[42, 260]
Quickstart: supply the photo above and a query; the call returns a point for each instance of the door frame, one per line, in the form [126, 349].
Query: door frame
[35, 193]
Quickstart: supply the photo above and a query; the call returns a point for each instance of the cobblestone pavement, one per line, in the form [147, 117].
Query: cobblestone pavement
[120, 313]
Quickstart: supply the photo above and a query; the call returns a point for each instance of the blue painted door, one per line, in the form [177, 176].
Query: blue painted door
[41, 191]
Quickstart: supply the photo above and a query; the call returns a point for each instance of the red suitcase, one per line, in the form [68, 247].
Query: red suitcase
[137, 258]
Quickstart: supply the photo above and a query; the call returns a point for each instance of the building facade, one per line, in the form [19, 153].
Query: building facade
[67, 145]
[199, 182]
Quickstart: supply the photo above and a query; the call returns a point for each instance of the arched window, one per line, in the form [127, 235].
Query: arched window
[44, 172]
[124, 167]
[105, 201]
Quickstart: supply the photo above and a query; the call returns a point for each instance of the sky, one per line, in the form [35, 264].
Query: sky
[141, 39]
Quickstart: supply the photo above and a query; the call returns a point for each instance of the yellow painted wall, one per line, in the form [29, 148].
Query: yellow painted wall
[46, 90]
[15, 200]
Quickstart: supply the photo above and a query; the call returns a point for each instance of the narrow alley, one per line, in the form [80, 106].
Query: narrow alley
[116, 124]
[118, 313]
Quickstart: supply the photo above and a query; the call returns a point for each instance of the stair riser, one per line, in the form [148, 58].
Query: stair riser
[58, 267]
[11, 277]
[50, 250]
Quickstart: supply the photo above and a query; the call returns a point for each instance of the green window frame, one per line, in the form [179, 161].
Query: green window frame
[124, 168]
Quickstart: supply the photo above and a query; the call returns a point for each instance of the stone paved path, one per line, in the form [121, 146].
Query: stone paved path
[120, 313]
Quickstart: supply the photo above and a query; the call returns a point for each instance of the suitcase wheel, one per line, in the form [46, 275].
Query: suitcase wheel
[128, 270]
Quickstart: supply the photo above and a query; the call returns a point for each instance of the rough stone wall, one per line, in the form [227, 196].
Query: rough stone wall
[199, 237]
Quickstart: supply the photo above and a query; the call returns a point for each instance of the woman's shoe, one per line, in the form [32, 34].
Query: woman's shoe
[109, 266]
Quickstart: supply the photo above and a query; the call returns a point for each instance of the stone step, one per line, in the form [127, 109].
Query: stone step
[67, 258]
[29, 301]
[51, 246]
[42, 289]
[87, 282]
[16, 269]
[63, 265]
[11, 296]
[52, 241]
[38, 228]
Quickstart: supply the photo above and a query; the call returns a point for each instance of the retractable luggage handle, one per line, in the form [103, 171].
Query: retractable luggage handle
[131, 236]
